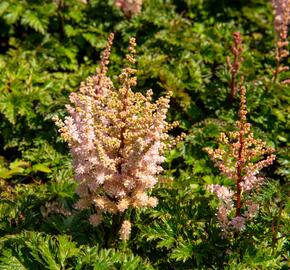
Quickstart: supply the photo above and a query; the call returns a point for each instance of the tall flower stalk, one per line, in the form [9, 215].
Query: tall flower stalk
[117, 138]
[235, 65]
[240, 158]
[281, 21]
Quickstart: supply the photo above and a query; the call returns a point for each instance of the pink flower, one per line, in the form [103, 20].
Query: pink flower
[223, 193]
[239, 157]
[117, 139]
[129, 7]
[125, 230]
[238, 223]
[222, 216]
[95, 219]
[252, 209]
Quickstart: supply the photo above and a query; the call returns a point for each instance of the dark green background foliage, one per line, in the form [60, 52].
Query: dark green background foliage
[48, 47]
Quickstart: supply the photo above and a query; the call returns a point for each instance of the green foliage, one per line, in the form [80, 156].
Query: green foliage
[48, 47]
[32, 250]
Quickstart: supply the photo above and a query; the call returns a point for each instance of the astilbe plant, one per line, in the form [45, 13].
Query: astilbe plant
[117, 138]
[240, 158]
[129, 7]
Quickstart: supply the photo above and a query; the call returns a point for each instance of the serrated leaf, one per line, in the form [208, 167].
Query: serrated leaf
[183, 252]
[163, 234]
[7, 108]
[5, 173]
[66, 249]
[16, 167]
[91, 38]
[10, 262]
[208, 179]
[41, 167]
[13, 13]
[281, 138]
[33, 21]
[69, 30]
[18, 163]
[280, 115]
[3, 6]
[42, 248]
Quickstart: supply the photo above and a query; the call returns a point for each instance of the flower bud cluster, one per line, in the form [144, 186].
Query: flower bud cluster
[234, 67]
[117, 138]
[281, 21]
[281, 8]
[125, 230]
[129, 7]
[240, 158]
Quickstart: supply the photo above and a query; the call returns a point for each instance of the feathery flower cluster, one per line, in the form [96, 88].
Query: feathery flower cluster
[235, 159]
[281, 16]
[129, 7]
[234, 67]
[117, 139]
[282, 9]
[125, 230]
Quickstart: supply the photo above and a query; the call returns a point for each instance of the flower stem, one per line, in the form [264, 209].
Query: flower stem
[239, 174]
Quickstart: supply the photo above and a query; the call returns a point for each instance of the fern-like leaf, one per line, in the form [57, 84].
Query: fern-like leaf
[32, 20]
